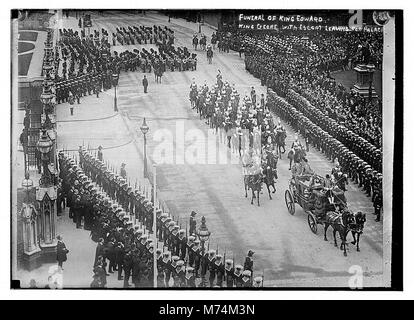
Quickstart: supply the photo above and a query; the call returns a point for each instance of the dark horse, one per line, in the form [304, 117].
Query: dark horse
[340, 223]
[358, 227]
[269, 178]
[296, 156]
[253, 182]
[280, 142]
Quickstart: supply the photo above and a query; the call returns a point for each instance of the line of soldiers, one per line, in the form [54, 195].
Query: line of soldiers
[143, 35]
[84, 85]
[363, 149]
[89, 63]
[175, 59]
[285, 72]
[185, 259]
[357, 169]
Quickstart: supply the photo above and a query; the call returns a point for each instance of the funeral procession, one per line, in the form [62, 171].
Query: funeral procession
[200, 149]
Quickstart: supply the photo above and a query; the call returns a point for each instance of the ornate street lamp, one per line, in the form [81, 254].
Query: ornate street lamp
[47, 95]
[44, 145]
[144, 129]
[203, 235]
[115, 78]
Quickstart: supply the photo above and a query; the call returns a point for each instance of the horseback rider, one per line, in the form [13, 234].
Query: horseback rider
[296, 145]
[279, 128]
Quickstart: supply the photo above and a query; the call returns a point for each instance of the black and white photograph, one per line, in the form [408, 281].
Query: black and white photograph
[204, 149]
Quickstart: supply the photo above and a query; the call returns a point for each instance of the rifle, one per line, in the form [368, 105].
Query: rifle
[224, 258]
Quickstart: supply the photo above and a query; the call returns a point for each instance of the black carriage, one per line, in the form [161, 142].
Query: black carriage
[309, 193]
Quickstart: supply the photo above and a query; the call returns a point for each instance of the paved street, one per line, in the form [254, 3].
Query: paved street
[287, 251]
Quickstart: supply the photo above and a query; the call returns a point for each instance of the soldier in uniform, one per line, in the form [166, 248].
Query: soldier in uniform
[167, 268]
[160, 268]
[193, 223]
[378, 206]
[190, 278]
[180, 280]
[229, 273]
[246, 279]
[219, 268]
[189, 245]
[173, 269]
[237, 275]
[258, 282]
[119, 258]
[182, 244]
[211, 266]
[196, 250]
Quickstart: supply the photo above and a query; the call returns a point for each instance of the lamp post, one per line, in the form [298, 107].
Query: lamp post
[203, 235]
[154, 227]
[144, 129]
[46, 99]
[44, 145]
[115, 78]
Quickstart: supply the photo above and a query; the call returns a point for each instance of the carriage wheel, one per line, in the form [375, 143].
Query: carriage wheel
[290, 204]
[312, 223]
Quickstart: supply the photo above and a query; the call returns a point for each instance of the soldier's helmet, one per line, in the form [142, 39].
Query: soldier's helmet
[149, 242]
[212, 253]
[247, 273]
[171, 225]
[219, 257]
[191, 239]
[167, 222]
[163, 217]
[238, 267]
[143, 238]
[229, 262]
[180, 263]
[166, 255]
[258, 281]
[175, 258]
[181, 232]
[138, 233]
[190, 270]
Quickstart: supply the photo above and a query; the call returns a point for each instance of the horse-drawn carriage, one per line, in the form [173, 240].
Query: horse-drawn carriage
[324, 206]
[308, 191]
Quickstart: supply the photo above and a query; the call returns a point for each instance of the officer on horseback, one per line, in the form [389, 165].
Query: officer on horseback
[296, 145]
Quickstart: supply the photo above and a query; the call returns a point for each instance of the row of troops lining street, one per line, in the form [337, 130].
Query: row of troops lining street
[86, 65]
[288, 77]
[222, 108]
[346, 161]
[121, 219]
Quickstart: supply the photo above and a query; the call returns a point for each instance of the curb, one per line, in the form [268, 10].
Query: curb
[92, 119]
